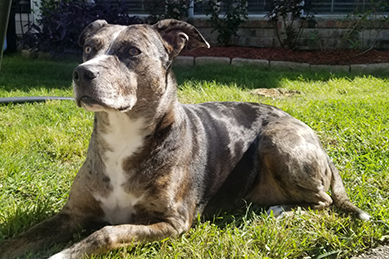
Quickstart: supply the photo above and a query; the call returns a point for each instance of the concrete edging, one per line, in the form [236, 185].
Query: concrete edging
[282, 65]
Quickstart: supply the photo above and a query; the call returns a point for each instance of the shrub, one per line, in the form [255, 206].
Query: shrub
[291, 15]
[166, 9]
[62, 22]
[227, 25]
[370, 16]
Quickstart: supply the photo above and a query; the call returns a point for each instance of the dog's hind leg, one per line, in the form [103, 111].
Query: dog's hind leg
[294, 170]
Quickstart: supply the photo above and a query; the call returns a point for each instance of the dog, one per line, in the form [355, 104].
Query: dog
[153, 164]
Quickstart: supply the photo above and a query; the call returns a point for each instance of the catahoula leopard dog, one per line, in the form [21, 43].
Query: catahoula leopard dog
[153, 164]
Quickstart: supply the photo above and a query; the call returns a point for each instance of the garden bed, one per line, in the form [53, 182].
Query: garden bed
[314, 57]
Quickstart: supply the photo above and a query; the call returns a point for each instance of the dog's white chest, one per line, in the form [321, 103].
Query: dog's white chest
[123, 140]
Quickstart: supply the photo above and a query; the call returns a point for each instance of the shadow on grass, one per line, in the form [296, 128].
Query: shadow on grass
[224, 218]
[251, 77]
[22, 74]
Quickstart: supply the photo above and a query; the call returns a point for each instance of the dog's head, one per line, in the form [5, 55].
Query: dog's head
[124, 65]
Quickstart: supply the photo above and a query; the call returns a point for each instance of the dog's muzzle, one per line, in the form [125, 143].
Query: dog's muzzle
[98, 87]
[83, 78]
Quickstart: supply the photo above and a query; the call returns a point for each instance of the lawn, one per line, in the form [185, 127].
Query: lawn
[43, 145]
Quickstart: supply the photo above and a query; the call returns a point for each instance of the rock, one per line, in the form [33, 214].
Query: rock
[29, 53]
[184, 61]
[370, 68]
[212, 60]
[260, 63]
[291, 66]
[44, 55]
[331, 68]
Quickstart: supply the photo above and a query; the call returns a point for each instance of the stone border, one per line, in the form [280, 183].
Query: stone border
[283, 65]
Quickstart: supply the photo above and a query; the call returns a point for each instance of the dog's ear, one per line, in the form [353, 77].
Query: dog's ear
[91, 29]
[177, 34]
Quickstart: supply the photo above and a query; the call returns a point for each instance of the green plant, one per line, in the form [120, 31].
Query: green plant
[61, 23]
[369, 16]
[226, 17]
[288, 20]
[166, 9]
[315, 39]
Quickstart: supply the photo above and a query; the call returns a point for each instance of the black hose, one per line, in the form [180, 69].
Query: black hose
[31, 99]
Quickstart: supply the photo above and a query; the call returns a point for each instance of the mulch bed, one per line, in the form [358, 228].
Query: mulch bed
[314, 57]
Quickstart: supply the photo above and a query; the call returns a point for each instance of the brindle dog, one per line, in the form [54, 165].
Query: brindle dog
[154, 164]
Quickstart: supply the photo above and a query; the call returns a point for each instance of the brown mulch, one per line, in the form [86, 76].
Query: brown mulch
[314, 57]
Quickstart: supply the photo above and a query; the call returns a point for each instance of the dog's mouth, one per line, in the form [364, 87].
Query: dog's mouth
[87, 100]
[89, 103]
[93, 105]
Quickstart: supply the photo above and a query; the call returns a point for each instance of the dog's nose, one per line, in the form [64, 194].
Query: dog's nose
[83, 73]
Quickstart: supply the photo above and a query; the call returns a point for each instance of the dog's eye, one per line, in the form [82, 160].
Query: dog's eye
[133, 51]
[87, 50]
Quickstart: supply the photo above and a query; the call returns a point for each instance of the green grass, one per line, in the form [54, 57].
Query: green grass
[43, 145]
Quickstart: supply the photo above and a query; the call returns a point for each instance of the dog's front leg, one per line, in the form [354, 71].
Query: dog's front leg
[81, 211]
[59, 228]
[114, 237]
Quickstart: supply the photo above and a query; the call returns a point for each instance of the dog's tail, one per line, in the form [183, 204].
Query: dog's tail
[340, 197]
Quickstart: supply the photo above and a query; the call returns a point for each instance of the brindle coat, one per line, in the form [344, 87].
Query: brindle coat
[154, 164]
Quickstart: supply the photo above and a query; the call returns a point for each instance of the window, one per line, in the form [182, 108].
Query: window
[314, 6]
[134, 6]
[264, 6]
[346, 6]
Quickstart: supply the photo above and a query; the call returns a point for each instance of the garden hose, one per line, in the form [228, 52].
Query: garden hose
[31, 99]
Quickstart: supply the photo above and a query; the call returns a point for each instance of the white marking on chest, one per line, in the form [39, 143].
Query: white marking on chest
[124, 138]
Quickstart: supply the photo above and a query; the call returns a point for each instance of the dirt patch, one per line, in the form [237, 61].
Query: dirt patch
[274, 92]
[314, 57]
[381, 252]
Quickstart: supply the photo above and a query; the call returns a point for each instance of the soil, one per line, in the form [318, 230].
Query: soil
[381, 252]
[313, 57]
